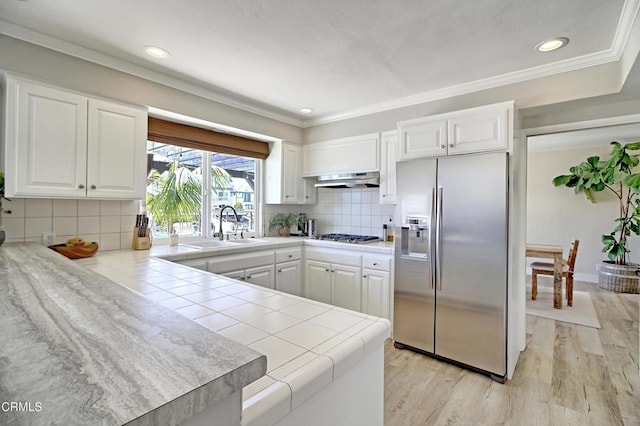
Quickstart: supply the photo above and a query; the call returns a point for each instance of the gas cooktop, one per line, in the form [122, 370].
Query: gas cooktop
[349, 238]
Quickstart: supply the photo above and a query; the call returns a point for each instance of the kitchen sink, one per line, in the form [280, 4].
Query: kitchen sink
[245, 241]
[206, 244]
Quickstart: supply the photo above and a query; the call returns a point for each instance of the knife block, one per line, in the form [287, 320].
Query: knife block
[141, 243]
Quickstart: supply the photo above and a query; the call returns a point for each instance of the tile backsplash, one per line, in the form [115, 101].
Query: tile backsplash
[348, 211]
[110, 222]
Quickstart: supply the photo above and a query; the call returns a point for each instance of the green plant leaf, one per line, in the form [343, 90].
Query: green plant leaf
[632, 181]
[562, 180]
[633, 146]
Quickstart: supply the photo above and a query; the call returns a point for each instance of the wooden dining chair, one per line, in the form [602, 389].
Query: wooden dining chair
[544, 268]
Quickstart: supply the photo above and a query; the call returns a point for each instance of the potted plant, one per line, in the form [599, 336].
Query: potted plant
[617, 176]
[283, 223]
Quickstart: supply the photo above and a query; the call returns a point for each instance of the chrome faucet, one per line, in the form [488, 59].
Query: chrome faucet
[221, 234]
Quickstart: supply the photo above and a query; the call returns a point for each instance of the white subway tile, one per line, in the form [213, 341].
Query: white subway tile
[13, 227]
[35, 207]
[366, 197]
[110, 241]
[110, 224]
[15, 206]
[127, 223]
[346, 197]
[336, 197]
[356, 209]
[109, 208]
[65, 208]
[129, 208]
[365, 221]
[376, 209]
[65, 225]
[88, 208]
[345, 220]
[126, 240]
[88, 225]
[356, 197]
[365, 209]
[35, 226]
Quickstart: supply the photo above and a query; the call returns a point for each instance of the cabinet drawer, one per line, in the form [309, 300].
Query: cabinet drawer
[378, 263]
[239, 261]
[342, 257]
[287, 255]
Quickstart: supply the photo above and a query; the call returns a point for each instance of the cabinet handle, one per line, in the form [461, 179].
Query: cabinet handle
[364, 276]
[384, 195]
[375, 263]
[279, 270]
[450, 145]
[249, 277]
[443, 146]
[327, 270]
[93, 187]
[81, 186]
[307, 197]
[290, 255]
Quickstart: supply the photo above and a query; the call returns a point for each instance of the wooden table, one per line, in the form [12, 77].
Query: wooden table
[555, 252]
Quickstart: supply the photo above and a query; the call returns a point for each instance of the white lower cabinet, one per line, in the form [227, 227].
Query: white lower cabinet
[348, 278]
[346, 287]
[375, 293]
[289, 277]
[253, 267]
[317, 280]
[263, 276]
[328, 281]
[338, 285]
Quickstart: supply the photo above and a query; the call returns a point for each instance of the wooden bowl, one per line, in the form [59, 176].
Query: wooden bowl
[75, 252]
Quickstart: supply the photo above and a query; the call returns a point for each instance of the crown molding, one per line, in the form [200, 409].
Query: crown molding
[34, 37]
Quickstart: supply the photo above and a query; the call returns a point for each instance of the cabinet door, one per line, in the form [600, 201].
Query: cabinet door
[478, 130]
[309, 191]
[116, 157]
[388, 148]
[236, 275]
[375, 293]
[346, 287]
[46, 141]
[422, 138]
[289, 277]
[263, 276]
[317, 281]
[290, 173]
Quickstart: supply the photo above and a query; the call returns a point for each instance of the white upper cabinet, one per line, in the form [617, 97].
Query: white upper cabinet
[354, 154]
[116, 157]
[285, 184]
[63, 144]
[486, 128]
[423, 137]
[388, 150]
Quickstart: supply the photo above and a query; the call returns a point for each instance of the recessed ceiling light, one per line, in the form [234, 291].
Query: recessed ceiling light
[552, 44]
[156, 52]
[306, 110]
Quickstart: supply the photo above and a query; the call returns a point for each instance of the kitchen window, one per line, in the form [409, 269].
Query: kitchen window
[187, 189]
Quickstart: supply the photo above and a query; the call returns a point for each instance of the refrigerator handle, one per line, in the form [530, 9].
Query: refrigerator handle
[431, 241]
[439, 238]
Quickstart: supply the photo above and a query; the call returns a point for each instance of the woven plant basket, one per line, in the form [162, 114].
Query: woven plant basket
[619, 278]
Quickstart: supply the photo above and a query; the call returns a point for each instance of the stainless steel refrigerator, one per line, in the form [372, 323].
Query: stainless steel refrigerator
[451, 260]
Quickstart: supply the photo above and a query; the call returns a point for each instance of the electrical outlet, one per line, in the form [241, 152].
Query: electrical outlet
[48, 238]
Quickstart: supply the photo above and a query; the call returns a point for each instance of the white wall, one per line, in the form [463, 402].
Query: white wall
[109, 223]
[555, 215]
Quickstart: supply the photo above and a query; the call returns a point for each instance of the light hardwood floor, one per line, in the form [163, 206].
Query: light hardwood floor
[568, 375]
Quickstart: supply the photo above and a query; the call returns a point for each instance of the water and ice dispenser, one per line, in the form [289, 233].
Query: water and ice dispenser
[415, 237]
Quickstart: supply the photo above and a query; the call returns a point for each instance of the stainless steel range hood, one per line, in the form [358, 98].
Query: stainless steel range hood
[350, 180]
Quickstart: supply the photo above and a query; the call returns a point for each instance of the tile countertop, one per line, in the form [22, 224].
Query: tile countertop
[308, 344]
[183, 252]
[88, 351]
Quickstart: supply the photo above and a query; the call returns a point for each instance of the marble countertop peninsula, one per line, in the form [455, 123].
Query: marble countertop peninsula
[77, 348]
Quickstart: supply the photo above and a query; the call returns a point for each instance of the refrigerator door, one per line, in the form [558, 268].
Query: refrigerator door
[414, 282]
[472, 260]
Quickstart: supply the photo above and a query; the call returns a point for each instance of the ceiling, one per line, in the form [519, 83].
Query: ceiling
[333, 56]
